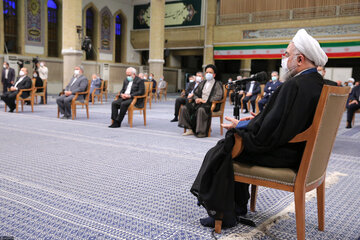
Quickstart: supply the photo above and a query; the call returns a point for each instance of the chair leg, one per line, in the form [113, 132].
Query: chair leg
[87, 111]
[144, 117]
[218, 224]
[300, 213]
[32, 105]
[254, 189]
[320, 191]
[44, 99]
[92, 99]
[221, 122]
[5, 107]
[58, 112]
[73, 109]
[130, 118]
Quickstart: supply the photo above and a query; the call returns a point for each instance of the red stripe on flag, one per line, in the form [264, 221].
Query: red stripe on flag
[246, 56]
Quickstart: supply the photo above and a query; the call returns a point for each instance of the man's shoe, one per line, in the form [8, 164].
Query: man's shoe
[65, 117]
[174, 120]
[188, 132]
[11, 109]
[115, 124]
[348, 125]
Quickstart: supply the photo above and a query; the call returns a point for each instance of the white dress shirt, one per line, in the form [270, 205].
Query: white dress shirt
[18, 81]
[128, 88]
[251, 87]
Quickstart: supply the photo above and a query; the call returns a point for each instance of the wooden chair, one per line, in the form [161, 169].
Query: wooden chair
[259, 96]
[75, 102]
[319, 138]
[98, 95]
[353, 119]
[150, 94]
[230, 92]
[105, 89]
[219, 113]
[41, 94]
[163, 91]
[132, 106]
[21, 100]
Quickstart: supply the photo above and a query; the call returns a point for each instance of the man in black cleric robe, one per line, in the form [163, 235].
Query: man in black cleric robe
[290, 111]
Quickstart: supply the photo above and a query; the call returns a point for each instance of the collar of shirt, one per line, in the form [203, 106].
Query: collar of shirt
[19, 80]
[306, 71]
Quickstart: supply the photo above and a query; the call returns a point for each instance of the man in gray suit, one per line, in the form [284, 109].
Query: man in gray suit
[78, 83]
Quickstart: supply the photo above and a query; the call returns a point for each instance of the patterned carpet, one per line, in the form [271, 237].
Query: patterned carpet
[64, 179]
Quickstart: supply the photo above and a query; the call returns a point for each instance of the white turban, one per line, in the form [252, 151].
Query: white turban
[351, 80]
[308, 46]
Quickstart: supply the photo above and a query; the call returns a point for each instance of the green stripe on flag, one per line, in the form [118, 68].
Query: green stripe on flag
[340, 44]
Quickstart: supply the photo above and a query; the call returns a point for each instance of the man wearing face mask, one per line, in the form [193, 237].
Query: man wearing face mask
[161, 86]
[23, 82]
[289, 111]
[189, 93]
[269, 89]
[133, 86]
[43, 74]
[95, 83]
[78, 83]
[151, 78]
[7, 76]
[196, 115]
[353, 105]
[252, 90]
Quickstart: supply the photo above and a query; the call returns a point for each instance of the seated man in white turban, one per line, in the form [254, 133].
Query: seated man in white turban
[290, 110]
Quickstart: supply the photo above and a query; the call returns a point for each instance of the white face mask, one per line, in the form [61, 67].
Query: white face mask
[34, 75]
[4, 66]
[209, 76]
[41, 64]
[191, 80]
[77, 72]
[198, 79]
[284, 64]
[21, 73]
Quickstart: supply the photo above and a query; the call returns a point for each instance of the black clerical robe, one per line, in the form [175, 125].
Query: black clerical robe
[290, 111]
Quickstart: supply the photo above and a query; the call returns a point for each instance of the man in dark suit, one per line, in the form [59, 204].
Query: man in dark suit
[321, 70]
[78, 83]
[133, 86]
[269, 89]
[251, 92]
[23, 82]
[7, 76]
[352, 105]
[189, 93]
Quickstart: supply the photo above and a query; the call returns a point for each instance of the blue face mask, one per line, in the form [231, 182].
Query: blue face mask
[129, 78]
[274, 78]
[150, 77]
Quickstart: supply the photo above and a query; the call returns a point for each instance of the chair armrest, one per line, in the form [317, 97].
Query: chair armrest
[136, 98]
[24, 90]
[303, 136]
[213, 104]
[77, 95]
[238, 146]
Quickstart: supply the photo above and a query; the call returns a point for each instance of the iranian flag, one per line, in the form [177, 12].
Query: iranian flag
[344, 49]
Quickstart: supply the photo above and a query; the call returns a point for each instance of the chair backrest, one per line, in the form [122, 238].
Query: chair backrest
[262, 86]
[320, 136]
[87, 95]
[223, 100]
[102, 87]
[45, 84]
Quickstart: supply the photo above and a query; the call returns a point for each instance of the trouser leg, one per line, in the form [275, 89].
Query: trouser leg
[9, 99]
[184, 120]
[179, 101]
[60, 103]
[252, 101]
[244, 101]
[262, 103]
[241, 197]
[115, 105]
[201, 121]
[351, 109]
[123, 109]
[67, 105]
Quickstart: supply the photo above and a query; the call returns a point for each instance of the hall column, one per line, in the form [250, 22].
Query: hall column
[71, 44]
[245, 67]
[156, 43]
[210, 9]
[1, 28]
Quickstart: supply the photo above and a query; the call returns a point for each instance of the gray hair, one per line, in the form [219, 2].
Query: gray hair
[81, 68]
[131, 69]
[275, 72]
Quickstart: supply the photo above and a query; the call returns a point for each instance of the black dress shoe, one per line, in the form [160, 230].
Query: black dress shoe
[348, 125]
[65, 117]
[11, 109]
[174, 120]
[115, 124]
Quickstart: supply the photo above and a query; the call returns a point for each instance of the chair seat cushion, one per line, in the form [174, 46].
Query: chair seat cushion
[285, 176]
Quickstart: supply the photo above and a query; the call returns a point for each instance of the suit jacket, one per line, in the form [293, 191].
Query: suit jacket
[189, 88]
[24, 84]
[355, 94]
[329, 82]
[270, 87]
[80, 85]
[256, 89]
[11, 76]
[137, 89]
[95, 84]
